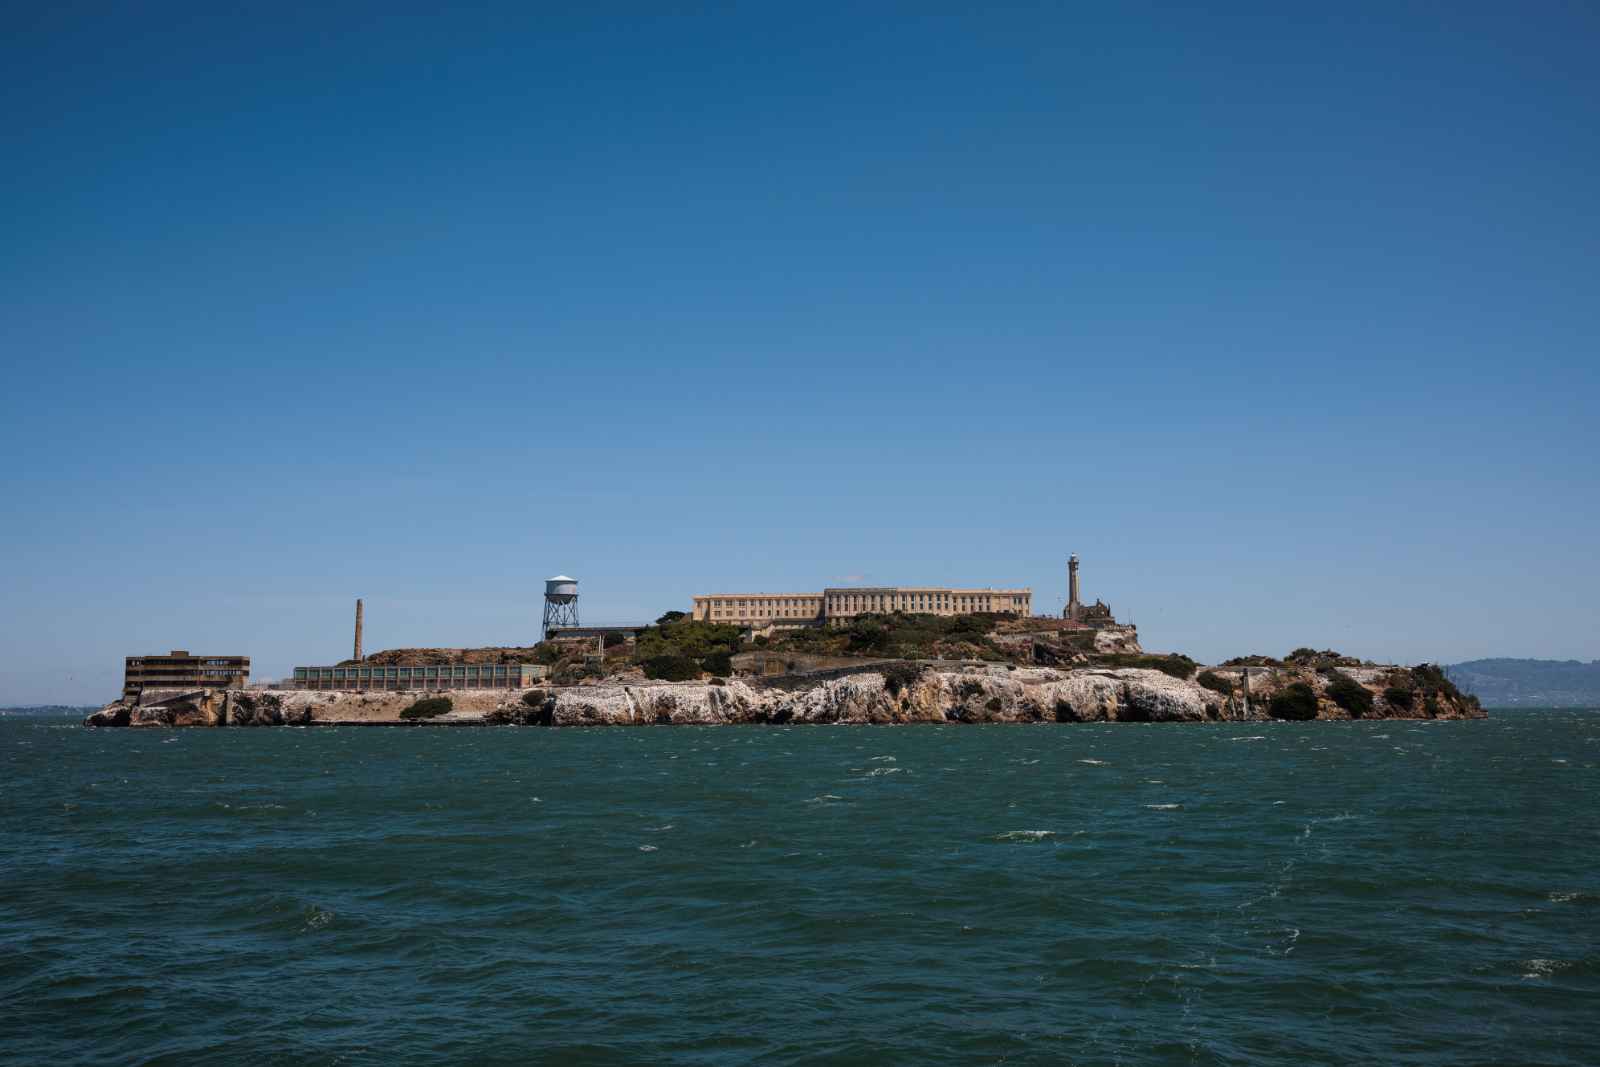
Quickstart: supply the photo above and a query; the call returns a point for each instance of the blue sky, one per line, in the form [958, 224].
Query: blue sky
[1287, 323]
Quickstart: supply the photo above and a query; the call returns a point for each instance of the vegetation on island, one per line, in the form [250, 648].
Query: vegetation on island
[679, 649]
[1431, 682]
[1400, 696]
[1215, 682]
[1296, 702]
[1176, 664]
[899, 635]
[1349, 694]
[428, 708]
[900, 676]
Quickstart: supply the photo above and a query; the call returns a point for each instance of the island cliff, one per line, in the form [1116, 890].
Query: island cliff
[884, 692]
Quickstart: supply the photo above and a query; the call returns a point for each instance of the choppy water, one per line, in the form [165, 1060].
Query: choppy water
[1331, 893]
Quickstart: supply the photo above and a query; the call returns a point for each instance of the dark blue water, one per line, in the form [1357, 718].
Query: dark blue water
[1336, 893]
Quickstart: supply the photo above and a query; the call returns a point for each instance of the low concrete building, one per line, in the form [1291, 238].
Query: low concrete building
[427, 676]
[180, 670]
[779, 610]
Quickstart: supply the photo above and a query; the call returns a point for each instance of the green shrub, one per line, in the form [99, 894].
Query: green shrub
[1398, 697]
[534, 697]
[1178, 666]
[1429, 679]
[1215, 682]
[688, 638]
[428, 708]
[671, 668]
[1297, 702]
[670, 617]
[898, 676]
[899, 635]
[1350, 695]
[994, 704]
[718, 663]
[719, 681]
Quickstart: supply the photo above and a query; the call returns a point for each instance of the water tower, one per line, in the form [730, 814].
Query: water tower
[560, 603]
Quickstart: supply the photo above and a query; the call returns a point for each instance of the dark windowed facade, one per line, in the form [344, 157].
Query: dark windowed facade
[179, 670]
[427, 676]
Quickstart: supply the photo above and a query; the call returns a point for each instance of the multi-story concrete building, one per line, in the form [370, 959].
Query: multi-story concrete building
[428, 676]
[803, 609]
[179, 670]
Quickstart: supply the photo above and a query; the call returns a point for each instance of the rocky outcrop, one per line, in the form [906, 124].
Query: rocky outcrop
[115, 713]
[882, 693]
[1395, 692]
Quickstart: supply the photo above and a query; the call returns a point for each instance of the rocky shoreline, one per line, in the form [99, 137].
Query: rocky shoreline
[904, 692]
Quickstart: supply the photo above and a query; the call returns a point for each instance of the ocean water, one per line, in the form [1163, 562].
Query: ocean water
[1330, 893]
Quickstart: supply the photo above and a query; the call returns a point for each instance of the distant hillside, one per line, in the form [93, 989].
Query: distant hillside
[1530, 683]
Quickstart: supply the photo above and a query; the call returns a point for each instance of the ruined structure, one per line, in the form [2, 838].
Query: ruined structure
[179, 670]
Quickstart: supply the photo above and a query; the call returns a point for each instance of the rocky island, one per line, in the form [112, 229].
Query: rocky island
[889, 669]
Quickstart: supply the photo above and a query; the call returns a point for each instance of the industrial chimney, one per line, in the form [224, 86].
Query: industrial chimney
[358, 656]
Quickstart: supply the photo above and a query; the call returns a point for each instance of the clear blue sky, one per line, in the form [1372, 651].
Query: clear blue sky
[1287, 322]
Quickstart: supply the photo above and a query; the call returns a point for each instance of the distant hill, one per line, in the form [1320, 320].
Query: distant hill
[44, 710]
[1530, 683]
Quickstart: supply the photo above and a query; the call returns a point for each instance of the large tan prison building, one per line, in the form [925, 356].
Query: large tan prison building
[799, 609]
[179, 670]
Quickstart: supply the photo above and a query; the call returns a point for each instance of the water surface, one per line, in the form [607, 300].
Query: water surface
[1338, 893]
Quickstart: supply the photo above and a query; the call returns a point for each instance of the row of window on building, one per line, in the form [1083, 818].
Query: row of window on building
[434, 676]
[949, 601]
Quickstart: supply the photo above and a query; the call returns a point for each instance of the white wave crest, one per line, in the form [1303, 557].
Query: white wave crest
[1024, 835]
[1544, 968]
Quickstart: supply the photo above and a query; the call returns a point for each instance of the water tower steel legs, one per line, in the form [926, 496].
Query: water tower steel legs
[558, 614]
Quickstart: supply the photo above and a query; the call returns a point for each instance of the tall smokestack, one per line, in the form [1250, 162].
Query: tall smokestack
[1073, 604]
[358, 655]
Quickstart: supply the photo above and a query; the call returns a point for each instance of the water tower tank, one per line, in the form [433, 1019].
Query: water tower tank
[560, 604]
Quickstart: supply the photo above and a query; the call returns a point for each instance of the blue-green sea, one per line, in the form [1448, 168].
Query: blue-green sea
[1317, 893]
